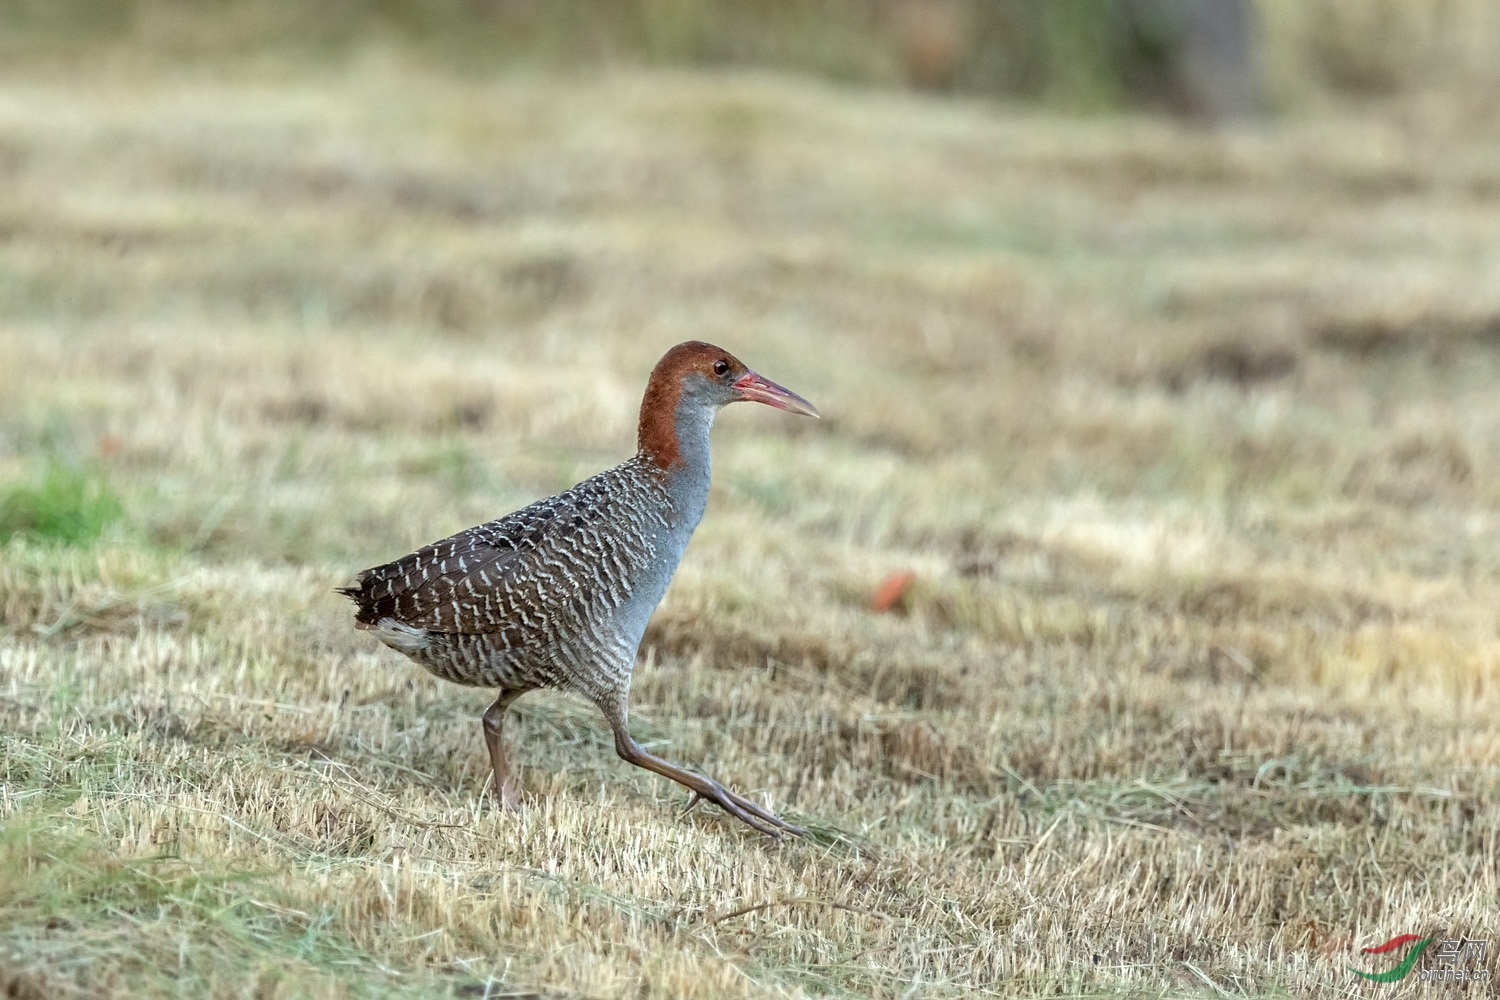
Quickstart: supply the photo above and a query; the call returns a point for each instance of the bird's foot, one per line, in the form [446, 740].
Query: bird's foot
[697, 798]
[506, 795]
[744, 810]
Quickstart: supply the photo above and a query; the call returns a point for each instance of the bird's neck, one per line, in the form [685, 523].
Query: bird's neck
[691, 427]
[674, 442]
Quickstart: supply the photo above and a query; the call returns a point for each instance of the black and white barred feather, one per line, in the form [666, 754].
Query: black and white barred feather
[535, 598]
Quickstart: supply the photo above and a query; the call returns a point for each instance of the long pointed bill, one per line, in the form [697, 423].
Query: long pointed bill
[758, 389]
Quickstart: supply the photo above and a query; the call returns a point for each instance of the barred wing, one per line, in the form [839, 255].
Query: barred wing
[524, 576]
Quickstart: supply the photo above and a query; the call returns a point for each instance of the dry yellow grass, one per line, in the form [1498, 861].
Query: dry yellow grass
[1191, 439]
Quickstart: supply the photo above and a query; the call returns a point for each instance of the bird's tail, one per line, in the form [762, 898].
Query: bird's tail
[366, 614]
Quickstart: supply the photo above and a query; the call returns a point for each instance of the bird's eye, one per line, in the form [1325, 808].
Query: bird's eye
[721, 367]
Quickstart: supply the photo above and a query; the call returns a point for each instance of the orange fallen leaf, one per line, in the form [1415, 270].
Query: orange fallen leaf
[892, 590]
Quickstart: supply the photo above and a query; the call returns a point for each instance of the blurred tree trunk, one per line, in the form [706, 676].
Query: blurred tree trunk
[1192, 57]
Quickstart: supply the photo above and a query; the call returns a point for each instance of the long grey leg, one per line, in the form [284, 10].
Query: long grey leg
[702, 786]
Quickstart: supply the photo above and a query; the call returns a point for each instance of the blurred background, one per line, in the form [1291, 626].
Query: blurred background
[1158, 347]
[1138, 197]
[1215, 59]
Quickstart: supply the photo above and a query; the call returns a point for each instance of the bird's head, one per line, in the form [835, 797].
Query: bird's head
[711, 376]
[701, 377]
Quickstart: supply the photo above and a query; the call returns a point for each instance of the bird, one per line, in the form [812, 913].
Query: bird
[557, 594]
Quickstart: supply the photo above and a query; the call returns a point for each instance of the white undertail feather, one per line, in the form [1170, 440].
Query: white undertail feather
[400, 637]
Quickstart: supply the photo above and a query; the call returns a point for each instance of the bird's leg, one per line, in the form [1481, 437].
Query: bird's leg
[507, 792]
[702, 786]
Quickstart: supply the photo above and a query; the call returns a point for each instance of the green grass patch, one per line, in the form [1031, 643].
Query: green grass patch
[68, 506]
[76, 919]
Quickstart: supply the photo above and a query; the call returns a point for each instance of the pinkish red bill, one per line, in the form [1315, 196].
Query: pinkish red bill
[759, 389]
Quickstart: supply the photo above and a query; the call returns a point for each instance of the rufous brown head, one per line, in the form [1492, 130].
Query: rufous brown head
[702, 375]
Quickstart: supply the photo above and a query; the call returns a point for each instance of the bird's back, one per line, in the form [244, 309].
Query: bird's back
[528, 594]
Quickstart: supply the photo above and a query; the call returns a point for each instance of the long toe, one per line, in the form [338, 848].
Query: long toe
[749, 812]
[767, 817]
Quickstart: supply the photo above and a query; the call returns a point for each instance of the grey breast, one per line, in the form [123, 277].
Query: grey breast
[534, 598]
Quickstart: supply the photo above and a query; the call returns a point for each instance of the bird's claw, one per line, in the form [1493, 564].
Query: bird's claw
[747, 811]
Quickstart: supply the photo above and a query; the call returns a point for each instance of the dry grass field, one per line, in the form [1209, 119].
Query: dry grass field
[1192, 439]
